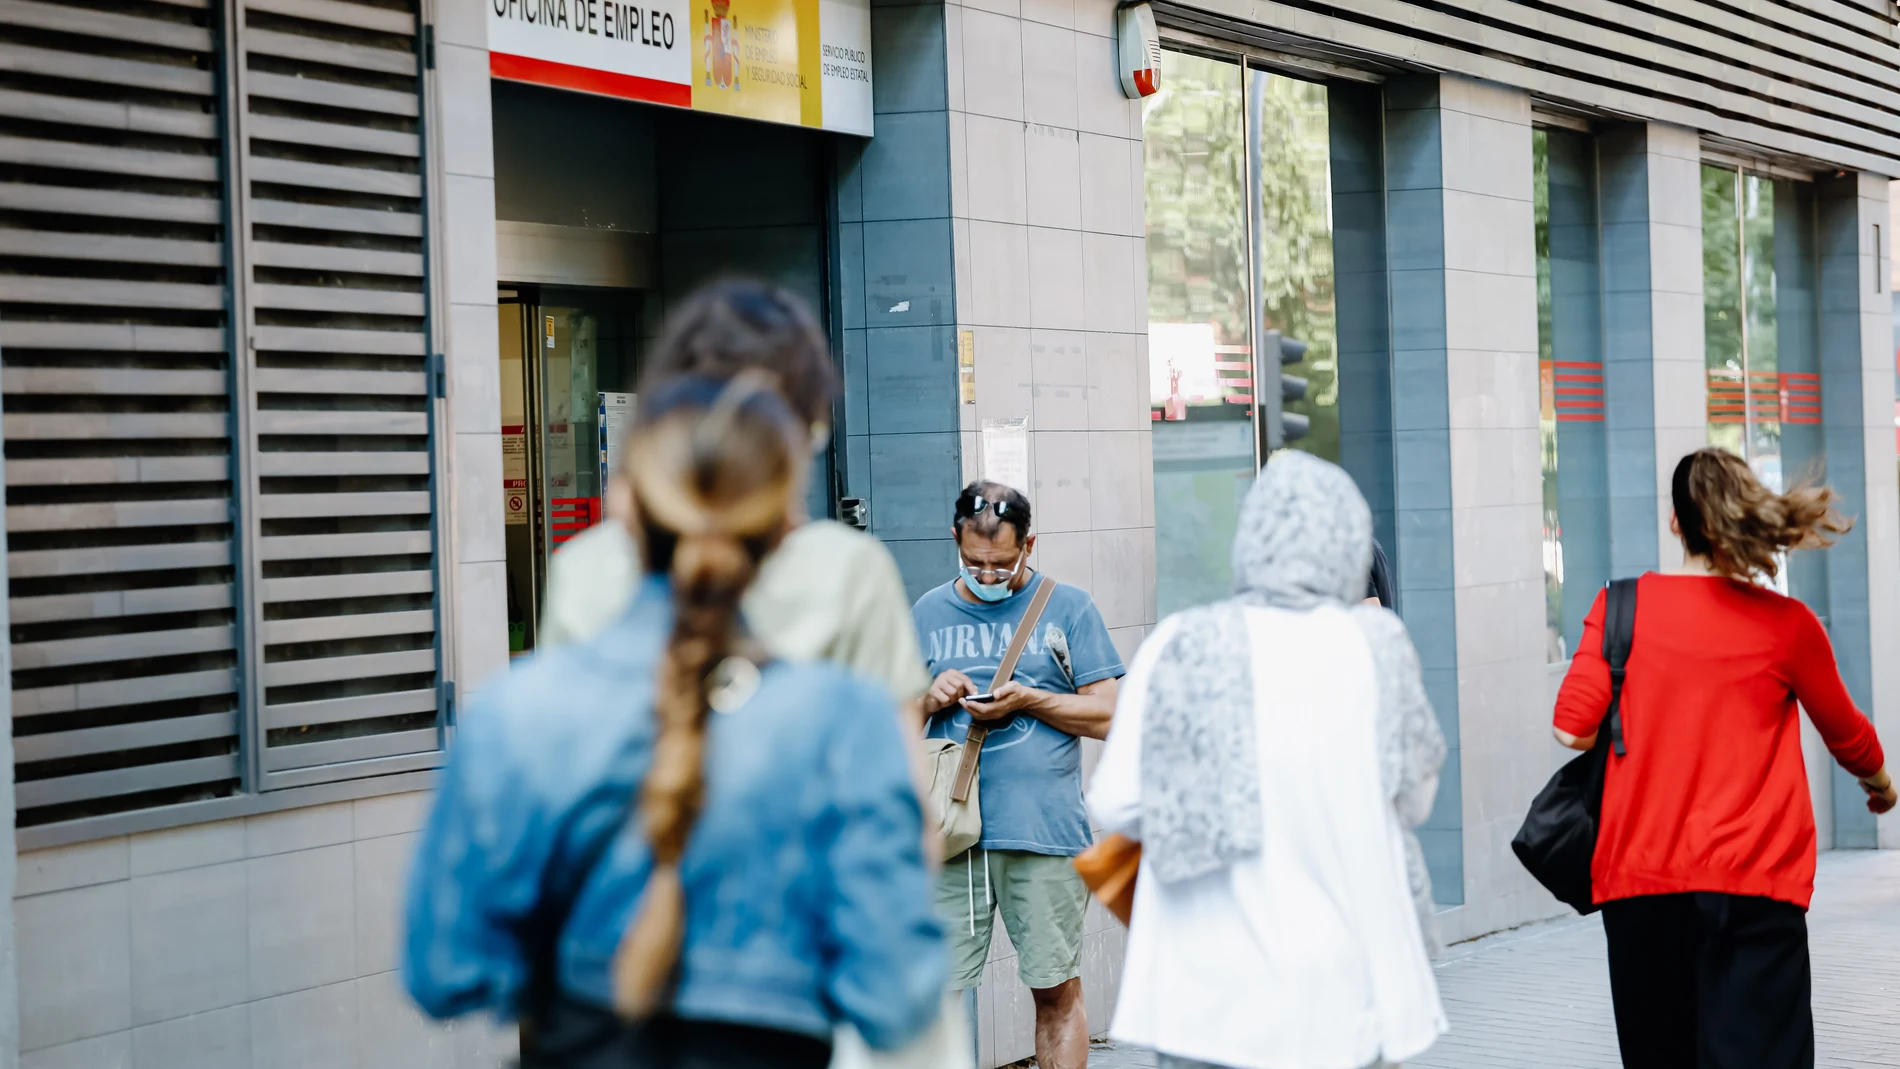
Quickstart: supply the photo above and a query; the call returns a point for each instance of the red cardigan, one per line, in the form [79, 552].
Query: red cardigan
[1712, 794]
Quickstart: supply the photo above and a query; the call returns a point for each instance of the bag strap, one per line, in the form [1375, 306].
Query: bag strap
[1018, 642]
[1619, 634]
[542, 1001]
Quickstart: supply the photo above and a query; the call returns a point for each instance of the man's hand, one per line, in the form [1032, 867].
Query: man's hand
[945, 691]
[1011, 697]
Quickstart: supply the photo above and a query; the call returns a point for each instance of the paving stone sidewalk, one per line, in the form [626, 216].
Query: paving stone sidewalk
[1539, 997]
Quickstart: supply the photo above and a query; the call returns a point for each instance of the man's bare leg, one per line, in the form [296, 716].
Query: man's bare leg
[1062, 1026]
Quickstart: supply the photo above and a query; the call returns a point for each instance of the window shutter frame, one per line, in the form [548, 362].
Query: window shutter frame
[113, 283]
[325, 362]
[303, 352]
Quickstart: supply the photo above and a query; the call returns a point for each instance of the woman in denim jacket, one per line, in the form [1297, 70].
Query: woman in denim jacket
[659, 848]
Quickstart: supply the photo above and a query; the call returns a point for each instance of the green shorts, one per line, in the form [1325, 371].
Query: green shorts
[1042, 901]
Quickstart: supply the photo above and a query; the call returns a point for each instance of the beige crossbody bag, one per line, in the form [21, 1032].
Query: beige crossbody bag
[955, 801]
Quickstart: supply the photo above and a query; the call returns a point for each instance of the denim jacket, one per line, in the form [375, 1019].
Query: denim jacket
[807, 902]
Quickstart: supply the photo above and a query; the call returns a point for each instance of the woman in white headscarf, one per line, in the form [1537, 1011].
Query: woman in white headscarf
[1272, 753]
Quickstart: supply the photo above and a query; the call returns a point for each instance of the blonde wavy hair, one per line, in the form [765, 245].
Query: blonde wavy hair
[1726, 515]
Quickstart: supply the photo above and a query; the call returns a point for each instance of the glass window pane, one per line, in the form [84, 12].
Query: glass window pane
[1758, 327]
[1294, 243]
[1547, 407]
[1722, 307]
[1199, 340]
[1573, 446]
[1742, 336]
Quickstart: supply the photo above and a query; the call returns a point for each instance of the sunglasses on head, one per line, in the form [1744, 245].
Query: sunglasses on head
[970, 505]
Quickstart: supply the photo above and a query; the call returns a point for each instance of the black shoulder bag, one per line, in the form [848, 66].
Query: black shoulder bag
[1559, 836]
[557, 1030]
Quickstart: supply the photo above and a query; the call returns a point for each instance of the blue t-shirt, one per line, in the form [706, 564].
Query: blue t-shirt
[1031, 773]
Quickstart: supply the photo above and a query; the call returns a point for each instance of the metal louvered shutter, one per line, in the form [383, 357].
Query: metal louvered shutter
[219, 407]
[117, 414]
[339, 400]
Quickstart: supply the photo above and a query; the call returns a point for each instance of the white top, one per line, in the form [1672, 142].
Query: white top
[1308, 956]
[827, 593]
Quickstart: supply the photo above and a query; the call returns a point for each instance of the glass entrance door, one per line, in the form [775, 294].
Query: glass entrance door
[569, 361]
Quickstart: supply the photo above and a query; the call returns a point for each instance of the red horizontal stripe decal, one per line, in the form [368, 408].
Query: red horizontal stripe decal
[588, 80]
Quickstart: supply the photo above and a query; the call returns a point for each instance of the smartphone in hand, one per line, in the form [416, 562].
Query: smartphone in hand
[986, 696]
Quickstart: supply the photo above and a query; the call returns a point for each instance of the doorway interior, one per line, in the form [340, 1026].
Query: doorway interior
[592, 249]
[569, 361]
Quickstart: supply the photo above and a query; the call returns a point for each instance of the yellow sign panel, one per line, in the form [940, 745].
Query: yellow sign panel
[966, 365]
[803, 62]
[751, 58]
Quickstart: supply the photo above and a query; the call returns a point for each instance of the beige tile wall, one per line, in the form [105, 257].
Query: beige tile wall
[242, 944]
[1676, 314]
[1496, 493]
[1046, 192]
[1883, 484]
[463, 138]
[271, 940]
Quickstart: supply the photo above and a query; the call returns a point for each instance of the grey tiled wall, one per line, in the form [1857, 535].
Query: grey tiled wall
[462, 140]
[1357, 142]
[1506, 751]
[243, 944]
[1417, 230]
[897, 297]
[1654, 376]
[269, 941]
[1863, 570]
[1467, 491]
[1046, 191]
[1051, 278]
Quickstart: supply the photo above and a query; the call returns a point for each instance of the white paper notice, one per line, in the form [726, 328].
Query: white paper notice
[1005, 448]
[514, 473]
[616, 410]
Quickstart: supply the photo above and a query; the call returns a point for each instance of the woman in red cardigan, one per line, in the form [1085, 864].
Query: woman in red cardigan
[1705, 853]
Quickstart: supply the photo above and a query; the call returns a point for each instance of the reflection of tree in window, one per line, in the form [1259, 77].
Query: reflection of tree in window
[1739, 317]
[1194, 133]
[1572, 444]
[1203, 280]
[1296, 243]
[1555, 647]
[1197, 226]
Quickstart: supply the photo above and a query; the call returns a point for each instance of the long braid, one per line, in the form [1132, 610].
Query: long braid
[709, 576]
[711, 484]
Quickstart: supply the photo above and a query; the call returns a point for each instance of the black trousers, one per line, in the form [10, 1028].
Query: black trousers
[567, 1034]
[1710, 981]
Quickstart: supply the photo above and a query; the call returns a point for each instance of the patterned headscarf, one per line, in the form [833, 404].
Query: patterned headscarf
[1304, 541]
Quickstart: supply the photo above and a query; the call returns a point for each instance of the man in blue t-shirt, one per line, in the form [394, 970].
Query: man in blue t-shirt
[1030, 774]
